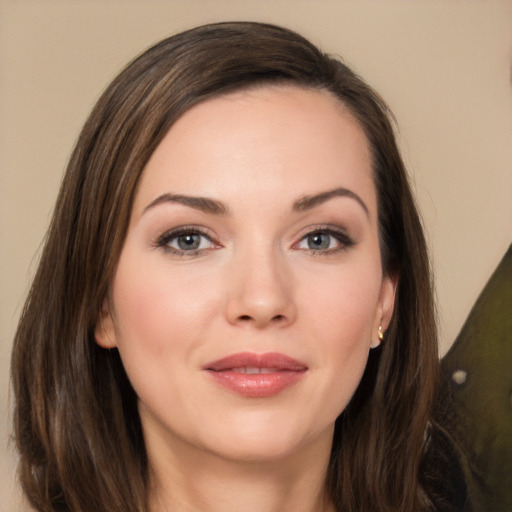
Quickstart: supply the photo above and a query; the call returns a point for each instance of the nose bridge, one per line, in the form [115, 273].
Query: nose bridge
[260, 286]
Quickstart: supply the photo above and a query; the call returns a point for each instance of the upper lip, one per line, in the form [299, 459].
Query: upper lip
[272, 360]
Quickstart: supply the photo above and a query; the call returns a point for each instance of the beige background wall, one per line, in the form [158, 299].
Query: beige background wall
[443, 65]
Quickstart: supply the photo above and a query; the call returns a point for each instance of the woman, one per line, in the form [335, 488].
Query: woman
[233, 309]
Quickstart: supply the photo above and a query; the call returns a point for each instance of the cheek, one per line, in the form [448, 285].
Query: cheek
[342, 303]
[341, 312]
[158, 311]
[159, 321]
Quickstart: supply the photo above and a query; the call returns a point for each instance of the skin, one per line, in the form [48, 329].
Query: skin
[254, 285]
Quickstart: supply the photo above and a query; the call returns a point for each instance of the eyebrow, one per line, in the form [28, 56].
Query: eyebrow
[215, 207]
[203, 204]
[309, 202]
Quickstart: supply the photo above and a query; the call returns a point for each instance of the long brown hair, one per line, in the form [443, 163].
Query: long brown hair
[77, 426]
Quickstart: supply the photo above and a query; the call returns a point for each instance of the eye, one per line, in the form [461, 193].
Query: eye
[186, 241]
[325, 240]
[318, 241]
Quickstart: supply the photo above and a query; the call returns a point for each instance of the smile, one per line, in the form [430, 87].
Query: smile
[256, 375]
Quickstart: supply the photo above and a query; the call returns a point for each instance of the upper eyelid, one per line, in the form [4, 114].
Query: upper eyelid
[189, 228]
[341, 234]
[170, 234]
[328, 228]
[166, 240]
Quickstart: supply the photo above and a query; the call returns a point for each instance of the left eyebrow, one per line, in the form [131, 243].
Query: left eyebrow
[308, 202]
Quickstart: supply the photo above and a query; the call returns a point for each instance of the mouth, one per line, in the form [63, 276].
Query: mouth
[256, 375]
[252, 370]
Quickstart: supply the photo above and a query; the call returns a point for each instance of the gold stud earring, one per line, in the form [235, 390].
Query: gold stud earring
[381, 334]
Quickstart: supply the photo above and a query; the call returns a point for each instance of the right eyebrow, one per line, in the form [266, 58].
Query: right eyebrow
[203, 204]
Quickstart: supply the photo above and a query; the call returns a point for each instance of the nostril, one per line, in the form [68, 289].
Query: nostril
[248, 318]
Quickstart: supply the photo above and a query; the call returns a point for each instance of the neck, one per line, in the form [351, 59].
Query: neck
[189, 480]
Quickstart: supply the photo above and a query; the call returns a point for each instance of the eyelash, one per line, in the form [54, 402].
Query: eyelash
[340, 235]
[164, 240]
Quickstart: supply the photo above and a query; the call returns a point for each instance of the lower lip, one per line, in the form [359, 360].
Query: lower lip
[257, 385]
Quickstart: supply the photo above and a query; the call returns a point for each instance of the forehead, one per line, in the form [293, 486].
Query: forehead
[269, 137]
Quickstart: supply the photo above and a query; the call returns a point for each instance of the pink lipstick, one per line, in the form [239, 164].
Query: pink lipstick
[256, 375]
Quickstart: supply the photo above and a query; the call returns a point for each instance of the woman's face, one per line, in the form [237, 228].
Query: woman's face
[249, 289]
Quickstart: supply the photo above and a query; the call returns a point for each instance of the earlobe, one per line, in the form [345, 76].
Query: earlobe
[104, 332]
[380, 338]
[384, 309]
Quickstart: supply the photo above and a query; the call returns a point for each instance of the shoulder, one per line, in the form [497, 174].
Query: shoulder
[442, 473]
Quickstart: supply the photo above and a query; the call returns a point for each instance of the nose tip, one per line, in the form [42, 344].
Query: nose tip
[260, 295]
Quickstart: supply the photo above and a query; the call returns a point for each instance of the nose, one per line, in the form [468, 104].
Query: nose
[260, 291]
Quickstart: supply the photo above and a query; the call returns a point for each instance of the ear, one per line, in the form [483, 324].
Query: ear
[104, 331]
[384, 310]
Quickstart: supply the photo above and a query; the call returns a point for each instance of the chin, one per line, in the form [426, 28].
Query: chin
[269, 441]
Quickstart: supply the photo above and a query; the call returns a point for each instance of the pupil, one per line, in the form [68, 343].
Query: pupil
[187, 242]
[318, 241]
